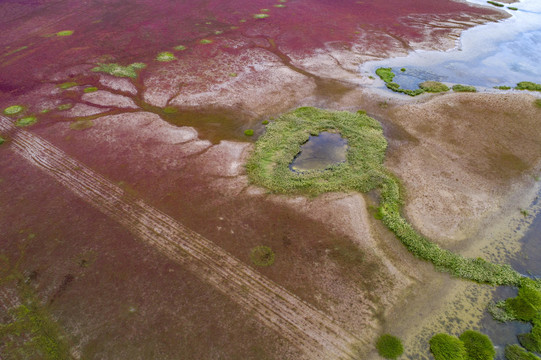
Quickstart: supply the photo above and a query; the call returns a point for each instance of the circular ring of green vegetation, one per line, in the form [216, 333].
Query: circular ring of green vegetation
[13, 109]
[262, 256]
[478, 346]
[26, 121]
[362, 171]
[389, 346]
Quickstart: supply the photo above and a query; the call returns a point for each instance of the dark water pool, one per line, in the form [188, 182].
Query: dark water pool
[320, 152]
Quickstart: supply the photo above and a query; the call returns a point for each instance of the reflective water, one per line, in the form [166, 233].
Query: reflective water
[495, 54]
[320, 152]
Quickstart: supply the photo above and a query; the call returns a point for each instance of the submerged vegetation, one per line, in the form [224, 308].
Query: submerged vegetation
[363, 171]
[389, 346]
[119, 70]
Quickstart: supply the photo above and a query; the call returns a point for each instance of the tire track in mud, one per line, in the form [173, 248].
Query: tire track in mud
[307, 328]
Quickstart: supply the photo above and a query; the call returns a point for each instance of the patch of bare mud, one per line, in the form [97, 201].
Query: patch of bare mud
[105, 98]
[470, 154]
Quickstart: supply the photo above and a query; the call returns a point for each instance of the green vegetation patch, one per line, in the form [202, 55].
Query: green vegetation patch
[279, 5]
[447, 347]
[528, 85]
[464, 88]
[478, 346]
[524, 307]
[180, 48]
[265, 122]
[205, 41]
[262, 256]
[537, 103]
[503, 87]
[65, 33]
[433, 86]
[385, 74]
[261, 16]
[13, 109]
[119, 70]
[90, 89]
[532, 340]
[249, 132]
[495, 3]
[512, 8]
[165, 56]
[389, 346]
[2, 140]
[515, 352]
[26, 121]
[67, 85]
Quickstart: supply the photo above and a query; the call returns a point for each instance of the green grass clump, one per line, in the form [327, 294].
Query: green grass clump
[165, 56]
[524, 307]
[495, 3]
[205, 41]
[248, 132]
[265, 122]
[464, 88]
[180, 48]
[389, 346]
[90, 89]
[262, 256]
[503, 87]
[532, 340]
[403, 69]
[385, 74]
[478, 346]
[13, 109]
[2, 140]
[512, 8]
[433, 86]
[119, 70]
[528, 85]
[515, 352]
[261, 16]
[279, 5]
[447, 347]
[67, 85]
[26, 121]
[64, 33]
